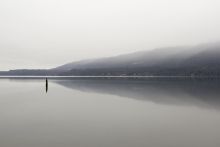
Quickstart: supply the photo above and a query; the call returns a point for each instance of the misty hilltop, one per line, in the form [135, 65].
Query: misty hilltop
[200, 60]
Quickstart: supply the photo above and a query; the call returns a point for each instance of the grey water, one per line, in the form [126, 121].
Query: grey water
[109, 112]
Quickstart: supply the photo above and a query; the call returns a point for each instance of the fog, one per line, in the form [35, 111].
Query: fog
[48, 33]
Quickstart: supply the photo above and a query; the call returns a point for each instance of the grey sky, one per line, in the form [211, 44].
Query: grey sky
[47, 33]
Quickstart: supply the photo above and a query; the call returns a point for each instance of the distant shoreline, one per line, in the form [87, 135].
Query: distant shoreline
[110, 77]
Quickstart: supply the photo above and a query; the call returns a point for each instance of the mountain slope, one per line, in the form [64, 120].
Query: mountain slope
[184, 61]
[201, 60]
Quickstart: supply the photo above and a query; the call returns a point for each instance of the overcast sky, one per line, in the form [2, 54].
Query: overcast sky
[47, 33]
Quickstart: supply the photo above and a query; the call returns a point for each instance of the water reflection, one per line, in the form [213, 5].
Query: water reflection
[193, 92]
[109, 112]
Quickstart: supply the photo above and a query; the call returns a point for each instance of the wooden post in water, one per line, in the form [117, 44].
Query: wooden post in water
[46, 85]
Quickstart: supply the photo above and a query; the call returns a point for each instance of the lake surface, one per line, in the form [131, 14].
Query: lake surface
[109, 112]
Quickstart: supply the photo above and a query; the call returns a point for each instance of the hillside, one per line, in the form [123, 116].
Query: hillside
[200, 60]
[182, 61]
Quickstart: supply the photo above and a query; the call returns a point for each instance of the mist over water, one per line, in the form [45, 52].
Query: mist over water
[119, 112]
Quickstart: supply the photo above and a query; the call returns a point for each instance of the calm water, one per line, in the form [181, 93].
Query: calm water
[110, 112]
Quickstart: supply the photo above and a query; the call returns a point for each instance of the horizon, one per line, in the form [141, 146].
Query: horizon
[103, 57]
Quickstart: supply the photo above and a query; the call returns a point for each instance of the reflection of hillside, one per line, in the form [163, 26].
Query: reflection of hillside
[199, 92]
